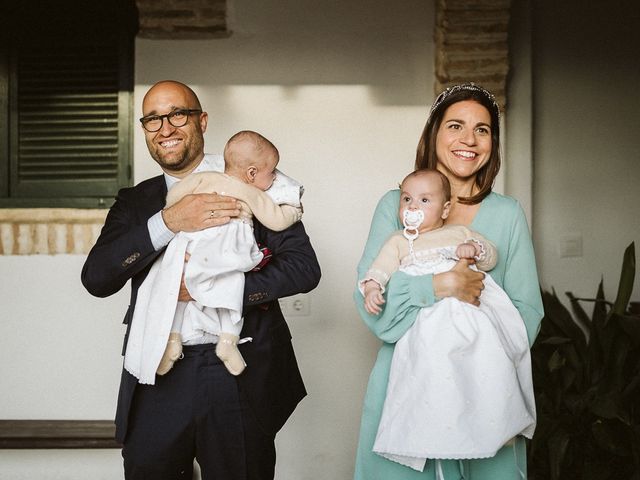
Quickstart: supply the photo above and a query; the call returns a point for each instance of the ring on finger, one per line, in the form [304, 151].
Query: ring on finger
[211, 214]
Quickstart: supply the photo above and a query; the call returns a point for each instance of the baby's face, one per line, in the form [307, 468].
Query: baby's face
[424, 192]
[266, 166]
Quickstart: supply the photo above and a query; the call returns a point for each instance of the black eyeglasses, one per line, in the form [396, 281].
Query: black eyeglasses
[177, 118]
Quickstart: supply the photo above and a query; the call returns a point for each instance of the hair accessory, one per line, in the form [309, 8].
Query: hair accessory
[471, 87]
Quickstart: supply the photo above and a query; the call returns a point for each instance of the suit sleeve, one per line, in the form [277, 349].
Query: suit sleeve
[293, 268]
[406, 294]
[122, 250]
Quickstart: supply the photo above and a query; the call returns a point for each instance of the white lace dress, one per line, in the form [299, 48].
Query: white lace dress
[460, 383]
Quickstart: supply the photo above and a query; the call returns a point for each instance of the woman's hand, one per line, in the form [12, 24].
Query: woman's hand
[460, 282]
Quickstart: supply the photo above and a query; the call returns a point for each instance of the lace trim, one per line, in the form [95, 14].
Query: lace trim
[378, 276]
[483, 252]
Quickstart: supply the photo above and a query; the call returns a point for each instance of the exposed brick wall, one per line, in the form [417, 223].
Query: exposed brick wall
[471, 40]
[182, 19]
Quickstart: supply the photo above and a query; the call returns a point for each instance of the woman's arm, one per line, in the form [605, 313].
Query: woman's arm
[406, 294]
[521, 277]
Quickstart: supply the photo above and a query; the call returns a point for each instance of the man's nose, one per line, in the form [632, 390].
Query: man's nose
[167, 129]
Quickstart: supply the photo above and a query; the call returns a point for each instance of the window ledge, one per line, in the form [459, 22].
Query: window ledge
[49, 231]
[22, 434]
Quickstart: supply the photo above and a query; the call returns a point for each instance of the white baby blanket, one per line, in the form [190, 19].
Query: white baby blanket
[460, 384]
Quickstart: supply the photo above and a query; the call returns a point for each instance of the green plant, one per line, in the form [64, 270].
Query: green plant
[586, 374]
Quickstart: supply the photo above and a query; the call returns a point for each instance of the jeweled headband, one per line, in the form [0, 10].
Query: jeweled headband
[470, 87]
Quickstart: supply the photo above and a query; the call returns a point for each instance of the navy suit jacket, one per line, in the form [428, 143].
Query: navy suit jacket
[272, 381]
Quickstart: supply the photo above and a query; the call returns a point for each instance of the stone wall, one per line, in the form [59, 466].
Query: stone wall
[182, 19]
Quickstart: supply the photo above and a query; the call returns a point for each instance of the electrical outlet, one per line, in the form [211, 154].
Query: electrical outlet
[570, 245]
[295, 306]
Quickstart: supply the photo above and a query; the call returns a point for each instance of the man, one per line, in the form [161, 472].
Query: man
[198, 409]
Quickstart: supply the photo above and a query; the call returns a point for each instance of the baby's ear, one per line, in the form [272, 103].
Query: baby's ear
[445, 210]
[252, 171]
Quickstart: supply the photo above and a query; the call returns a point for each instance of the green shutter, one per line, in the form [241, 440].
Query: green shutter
[69, 117]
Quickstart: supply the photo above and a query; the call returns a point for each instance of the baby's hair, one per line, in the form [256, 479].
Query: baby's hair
[446, 186]
[235, 159]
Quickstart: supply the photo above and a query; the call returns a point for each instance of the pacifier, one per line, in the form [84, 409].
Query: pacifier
[411, 219]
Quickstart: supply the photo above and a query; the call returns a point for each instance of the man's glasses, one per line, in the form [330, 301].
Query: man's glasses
[177, 118]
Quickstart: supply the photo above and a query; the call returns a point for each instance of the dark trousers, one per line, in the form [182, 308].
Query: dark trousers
[196, 411]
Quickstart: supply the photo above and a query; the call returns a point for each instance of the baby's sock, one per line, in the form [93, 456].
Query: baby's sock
[227, 351]
[171, 353]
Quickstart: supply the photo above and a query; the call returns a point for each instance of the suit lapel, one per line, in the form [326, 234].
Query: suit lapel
[153, 196]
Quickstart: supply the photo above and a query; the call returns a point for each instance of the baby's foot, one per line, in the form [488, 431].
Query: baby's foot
[227, 351]
[171, 354]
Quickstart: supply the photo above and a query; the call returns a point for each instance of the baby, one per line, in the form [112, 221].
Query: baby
[424, 206]
[460, 381]
[217, 260]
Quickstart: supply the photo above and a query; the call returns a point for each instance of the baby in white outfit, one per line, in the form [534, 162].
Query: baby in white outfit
[217, 257]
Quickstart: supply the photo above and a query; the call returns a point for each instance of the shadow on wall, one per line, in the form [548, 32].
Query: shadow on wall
[395, 68]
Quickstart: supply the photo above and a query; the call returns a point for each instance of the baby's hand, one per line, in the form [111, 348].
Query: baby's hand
[467, 250]
[373, 297]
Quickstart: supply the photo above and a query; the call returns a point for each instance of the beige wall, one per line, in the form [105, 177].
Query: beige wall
[585, 138]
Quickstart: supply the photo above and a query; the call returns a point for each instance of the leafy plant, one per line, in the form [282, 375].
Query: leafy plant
[586, 374]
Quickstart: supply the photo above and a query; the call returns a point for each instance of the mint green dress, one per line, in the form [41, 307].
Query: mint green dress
[501, 220]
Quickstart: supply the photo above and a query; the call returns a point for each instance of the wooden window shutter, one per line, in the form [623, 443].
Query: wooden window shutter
[70, 121]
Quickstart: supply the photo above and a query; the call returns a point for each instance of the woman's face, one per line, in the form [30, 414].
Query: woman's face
[463, 141]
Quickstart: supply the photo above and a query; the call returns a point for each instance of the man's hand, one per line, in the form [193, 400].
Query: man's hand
[199, 211]
[460, 282]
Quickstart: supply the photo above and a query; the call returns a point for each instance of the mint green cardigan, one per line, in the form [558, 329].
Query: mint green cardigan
[501, 220]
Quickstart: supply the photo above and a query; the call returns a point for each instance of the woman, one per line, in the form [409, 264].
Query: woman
[461, 139]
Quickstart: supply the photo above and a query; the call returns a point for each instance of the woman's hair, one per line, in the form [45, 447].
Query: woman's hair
[426, 152]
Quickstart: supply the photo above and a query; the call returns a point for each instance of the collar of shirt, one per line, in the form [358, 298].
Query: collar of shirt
[210, 163]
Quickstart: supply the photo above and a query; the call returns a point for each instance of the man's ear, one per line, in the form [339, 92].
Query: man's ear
[252, 171]
[204, 119]
[445, 210]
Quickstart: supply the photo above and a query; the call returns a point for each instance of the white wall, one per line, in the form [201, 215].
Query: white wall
[586, 130]
[342, 89]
